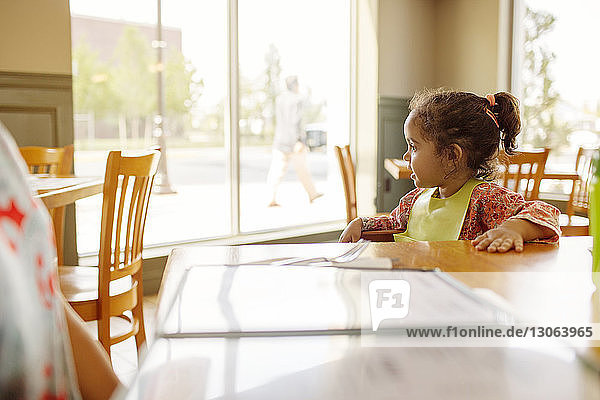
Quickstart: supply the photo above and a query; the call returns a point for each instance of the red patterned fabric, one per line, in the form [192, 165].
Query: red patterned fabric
[491, 205]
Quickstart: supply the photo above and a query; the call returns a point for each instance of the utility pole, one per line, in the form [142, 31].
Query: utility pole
[161, 181]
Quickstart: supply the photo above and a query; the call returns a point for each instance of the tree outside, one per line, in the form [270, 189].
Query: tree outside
[91, 89]
[120, 94]
[542, 125]
[134, 79]
[183, 88]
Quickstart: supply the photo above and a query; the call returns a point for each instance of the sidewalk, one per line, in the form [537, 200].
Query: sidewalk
[197, 212]
[201, 207]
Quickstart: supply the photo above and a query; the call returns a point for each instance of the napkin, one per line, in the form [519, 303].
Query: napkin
[360, 263]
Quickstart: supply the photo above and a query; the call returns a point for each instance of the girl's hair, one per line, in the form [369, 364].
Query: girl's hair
[470, 121]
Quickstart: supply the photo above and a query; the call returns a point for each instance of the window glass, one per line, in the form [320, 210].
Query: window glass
[116, 97]
[294, 107]
[556, 79]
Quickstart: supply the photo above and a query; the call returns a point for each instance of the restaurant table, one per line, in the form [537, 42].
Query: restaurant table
[400, 169]
[58, 191]
[546, 284]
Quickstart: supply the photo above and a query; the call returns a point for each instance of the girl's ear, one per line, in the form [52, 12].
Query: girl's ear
[455, 153]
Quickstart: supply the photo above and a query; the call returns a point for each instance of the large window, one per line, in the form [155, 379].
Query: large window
[133, 90]
[307, 42]
[556, 77]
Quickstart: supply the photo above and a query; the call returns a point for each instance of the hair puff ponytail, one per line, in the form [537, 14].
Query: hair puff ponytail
[507, 112]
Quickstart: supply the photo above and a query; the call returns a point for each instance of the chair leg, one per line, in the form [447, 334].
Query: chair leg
[138, 315]
[140, 338]
[104, 334]
[58, 220]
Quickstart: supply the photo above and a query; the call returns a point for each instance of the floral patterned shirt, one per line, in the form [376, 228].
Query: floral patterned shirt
[490, 206]
[35, 353]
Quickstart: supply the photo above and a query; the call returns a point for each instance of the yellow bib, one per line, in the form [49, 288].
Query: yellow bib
[434, 219]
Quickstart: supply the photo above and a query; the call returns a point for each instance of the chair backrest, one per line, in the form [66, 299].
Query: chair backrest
[127, 187]
[578, 201]
[348, 178]
[52, 161]
[523, 171]
[48, 160]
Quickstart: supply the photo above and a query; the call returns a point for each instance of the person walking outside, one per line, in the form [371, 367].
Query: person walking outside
[289, 142]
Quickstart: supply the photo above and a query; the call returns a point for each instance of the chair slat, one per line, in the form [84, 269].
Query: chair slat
[119, 222]
[134, 204]
[143, 201]
[140, 241]
[523, 171]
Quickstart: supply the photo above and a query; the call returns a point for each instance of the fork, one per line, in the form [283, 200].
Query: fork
[348, 256]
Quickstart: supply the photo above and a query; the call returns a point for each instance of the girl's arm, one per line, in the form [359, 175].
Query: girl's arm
[510, 220]
[397, 219]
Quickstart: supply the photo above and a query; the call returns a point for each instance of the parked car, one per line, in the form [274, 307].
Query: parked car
[316, 135]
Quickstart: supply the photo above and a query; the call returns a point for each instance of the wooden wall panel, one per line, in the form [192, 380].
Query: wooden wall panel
[393, 111]
[37, 108]
[31, 125]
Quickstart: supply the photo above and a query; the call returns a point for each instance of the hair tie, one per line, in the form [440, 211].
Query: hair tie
[492, 100]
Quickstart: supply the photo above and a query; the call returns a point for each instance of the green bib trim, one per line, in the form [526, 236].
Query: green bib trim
[433, 219]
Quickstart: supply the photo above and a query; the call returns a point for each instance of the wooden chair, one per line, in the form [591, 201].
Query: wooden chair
[112, 293]
[48, 160]
[52, 161]
[348, 179]
[344, 158]
[575, 221]
[523, 171]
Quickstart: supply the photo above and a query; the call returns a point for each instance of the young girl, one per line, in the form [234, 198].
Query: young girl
[453, 140]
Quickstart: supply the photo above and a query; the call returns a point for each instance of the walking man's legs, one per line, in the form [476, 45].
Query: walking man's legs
[300, 165]
[279, 163]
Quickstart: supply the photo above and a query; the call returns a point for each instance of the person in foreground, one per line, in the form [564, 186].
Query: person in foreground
[453, 142]
[45, 350]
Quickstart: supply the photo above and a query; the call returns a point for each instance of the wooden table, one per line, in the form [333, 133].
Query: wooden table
[399, 169]
[547, 283]
[58, 191]
[529, 281]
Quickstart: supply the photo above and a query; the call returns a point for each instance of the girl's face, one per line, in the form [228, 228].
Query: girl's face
[426, 165]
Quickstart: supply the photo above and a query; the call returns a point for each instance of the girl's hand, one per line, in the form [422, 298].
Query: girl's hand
[499, 240]
[352, 231]
[511, 234]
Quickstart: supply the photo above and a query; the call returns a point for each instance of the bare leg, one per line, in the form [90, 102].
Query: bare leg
[301, 167]
[279, 164]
